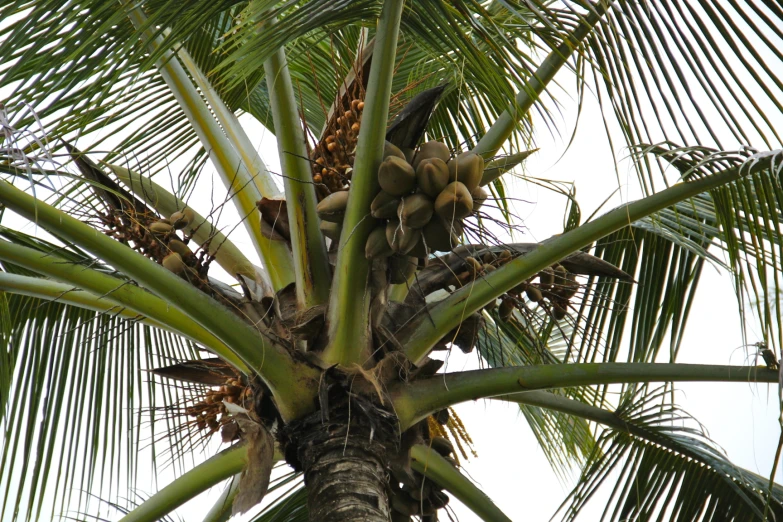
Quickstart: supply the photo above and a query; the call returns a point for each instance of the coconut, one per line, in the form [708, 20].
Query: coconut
[438, 238]
[174, 263]
[432, 175]
[332, 207]
[432, 149]
[467, 168]
[479, 196]
[384, 206]
[182, 218]
[377, 245]
[401, 238]
[454, 202]
[415, 210]
[161, 228]
[331, 230]
[396, 176]
[389, 149]
[175, 245]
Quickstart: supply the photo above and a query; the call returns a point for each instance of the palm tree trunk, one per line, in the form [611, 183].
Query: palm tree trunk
[345, 460]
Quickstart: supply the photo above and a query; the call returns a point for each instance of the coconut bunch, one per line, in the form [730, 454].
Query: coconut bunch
[332, 157]
[420, 208]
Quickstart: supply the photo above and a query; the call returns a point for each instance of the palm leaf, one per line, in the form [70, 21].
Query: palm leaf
[669, 469]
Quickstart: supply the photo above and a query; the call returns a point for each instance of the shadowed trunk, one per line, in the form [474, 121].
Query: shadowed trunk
[345, 462]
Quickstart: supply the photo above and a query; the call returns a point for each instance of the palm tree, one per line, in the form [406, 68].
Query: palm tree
[116, 337]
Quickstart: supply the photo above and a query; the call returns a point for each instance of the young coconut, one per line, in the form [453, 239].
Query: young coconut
[432, 176]
[175, 245]
[174, 263]
[415, 210]
[384, 206]
[467, 168]
[396, 176]
[401, 238]
[332, 207]
[182, 218]
[331, 230]
[377, 245]
[161, 228]
[432, 149]
[479, 196]
[389, 149]
[454, 202]
[438, 237]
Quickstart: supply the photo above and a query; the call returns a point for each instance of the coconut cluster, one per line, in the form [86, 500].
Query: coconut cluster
[420, 208]
[211, 413]
[332, 158]
[552, 288]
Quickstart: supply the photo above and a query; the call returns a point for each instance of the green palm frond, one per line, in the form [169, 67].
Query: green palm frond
[566, 441]
[669, 468]
[65, 362]
[695, 73]
[85, 367]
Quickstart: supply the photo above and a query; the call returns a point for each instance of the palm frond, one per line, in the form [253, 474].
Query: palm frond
[669, 470]
[77, 398]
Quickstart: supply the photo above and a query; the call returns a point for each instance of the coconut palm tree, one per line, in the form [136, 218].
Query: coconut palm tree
[131, 322]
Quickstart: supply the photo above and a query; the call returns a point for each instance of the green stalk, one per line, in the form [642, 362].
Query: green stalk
[207, 474]
[49, 290]
[221, 510]
[415, 401]
[292, 382]
[106, 291]
[311, 264]
[228, 163]
[226, 253]
[500, 131]
[430, 464]
[420, 336]
[349, 306]
[236, 135]
[592, 413]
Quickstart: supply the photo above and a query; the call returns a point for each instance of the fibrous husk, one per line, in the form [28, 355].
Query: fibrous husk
[332, 207]
[454, 202]
[384, 206]
[401, 268]
[377, 245]
[432, 175]
[401, 238]
[467, 168]
[415, 210]
[396, 176]
[432, 149]
[479, 195]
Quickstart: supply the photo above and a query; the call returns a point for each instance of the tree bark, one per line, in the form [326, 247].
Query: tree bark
[345, 457]
[347, 480]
